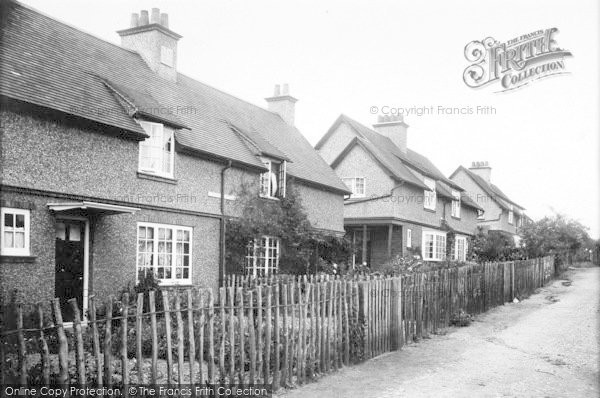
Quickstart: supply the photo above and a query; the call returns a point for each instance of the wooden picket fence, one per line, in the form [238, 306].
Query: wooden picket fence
[280, 332]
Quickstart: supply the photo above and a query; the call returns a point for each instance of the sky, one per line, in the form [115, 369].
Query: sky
[542, 141]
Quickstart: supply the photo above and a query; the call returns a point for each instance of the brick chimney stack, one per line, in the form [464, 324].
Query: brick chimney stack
[482, 169]
[283, 103]
[150, 36]
[393, 127]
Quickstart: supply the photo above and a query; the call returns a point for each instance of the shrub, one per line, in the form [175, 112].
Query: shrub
[461, 318]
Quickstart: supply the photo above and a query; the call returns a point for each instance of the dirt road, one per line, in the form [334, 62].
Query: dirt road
[544, 346]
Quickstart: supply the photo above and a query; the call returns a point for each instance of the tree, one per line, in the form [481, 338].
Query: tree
[493, 246]
[556, 234]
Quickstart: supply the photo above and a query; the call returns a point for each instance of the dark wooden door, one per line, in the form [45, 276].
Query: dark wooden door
[69, 264]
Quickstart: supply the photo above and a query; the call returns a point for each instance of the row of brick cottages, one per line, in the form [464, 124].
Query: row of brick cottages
[114, 163]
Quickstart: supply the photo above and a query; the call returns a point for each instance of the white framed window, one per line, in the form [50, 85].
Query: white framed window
[459, 251]
[262, 256]
[166, 251]
[429, 195]
[455, 204]
[273, 182]
[511, 214]
[157, 153]
[357, 185]
[166, 56]
[434, 246]
[409, 237]
[14, 238]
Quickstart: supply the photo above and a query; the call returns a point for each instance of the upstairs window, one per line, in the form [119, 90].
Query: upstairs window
[455, 204]
[273, 182]
[157, 153]
[430, 195]
[356, 185]
[434, 246]
[479, 214]
[409, 237]
[262, 256]
[14, 238]
[511, 214]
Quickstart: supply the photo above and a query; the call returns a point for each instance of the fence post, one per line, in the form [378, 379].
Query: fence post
[63, 349]
[168, 334]
[45, 352]
[363, 316]
[124, 361]
[79, 354]
[22, 347]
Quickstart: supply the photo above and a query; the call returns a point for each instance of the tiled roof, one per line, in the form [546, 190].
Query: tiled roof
[490, 189]
[54, 65]
[400, 163]
[391, 164]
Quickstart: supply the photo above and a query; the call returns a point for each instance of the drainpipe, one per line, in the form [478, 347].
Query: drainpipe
[222, 227]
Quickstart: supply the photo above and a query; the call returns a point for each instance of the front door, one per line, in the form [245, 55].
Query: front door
[69, 264]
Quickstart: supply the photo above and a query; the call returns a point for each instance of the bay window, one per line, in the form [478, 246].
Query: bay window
[429, 195]
[157, 152]
[165, 251]
[273, 181]
[434, 246]
[14, 234]
[356, 185]
[262, 256]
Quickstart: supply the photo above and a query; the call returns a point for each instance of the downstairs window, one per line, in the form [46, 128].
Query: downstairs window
[262, 256]
[166, 251]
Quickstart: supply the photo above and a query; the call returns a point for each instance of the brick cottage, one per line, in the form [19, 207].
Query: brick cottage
[115, 163]
[401, 203]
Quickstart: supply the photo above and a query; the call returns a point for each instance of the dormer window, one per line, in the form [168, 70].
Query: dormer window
[273, 181]
[455, 204]
[430, 196]
[157, 153]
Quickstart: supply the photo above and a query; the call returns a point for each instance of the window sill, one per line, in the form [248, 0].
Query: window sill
[429, 210]
[155, 177]
[17, 259]
[175, 285]
[269, 197]
[456, 218]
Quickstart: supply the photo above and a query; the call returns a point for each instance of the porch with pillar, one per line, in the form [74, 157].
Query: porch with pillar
[374, 243]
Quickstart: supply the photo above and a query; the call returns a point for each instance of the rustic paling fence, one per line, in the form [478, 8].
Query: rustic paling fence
[281, 332]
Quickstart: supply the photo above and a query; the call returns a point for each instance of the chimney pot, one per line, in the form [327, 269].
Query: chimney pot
[135, 20]
[143, 18]
[380, 119]
[277, 91]
[164, 19]
[286, 89]
[155, 17]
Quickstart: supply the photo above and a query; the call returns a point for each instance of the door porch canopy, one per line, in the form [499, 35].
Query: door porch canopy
[94, 208]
